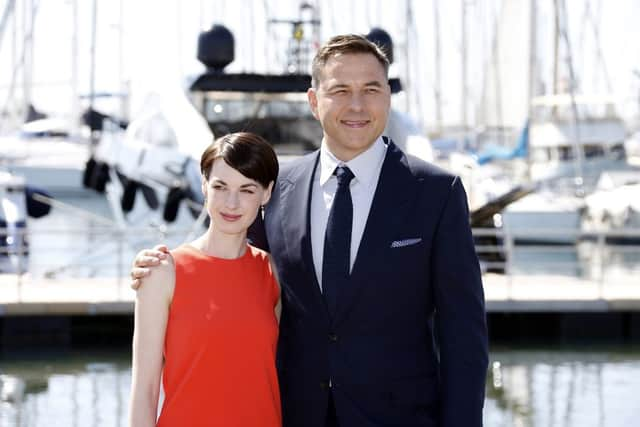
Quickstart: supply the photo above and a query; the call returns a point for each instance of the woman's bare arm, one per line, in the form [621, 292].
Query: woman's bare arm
[151, 314]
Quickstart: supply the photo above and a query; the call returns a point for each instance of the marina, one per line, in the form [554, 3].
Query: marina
[533, 104]
[503, 294]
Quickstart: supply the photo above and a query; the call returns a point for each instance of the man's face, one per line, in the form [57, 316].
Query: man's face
[351, 102]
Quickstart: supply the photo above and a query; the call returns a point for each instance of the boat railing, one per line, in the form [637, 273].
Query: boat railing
[106, 253]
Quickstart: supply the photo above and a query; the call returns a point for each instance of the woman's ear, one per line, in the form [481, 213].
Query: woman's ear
[204, 187]
[267, 194]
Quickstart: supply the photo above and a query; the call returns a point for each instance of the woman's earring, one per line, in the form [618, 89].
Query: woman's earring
[262, 211]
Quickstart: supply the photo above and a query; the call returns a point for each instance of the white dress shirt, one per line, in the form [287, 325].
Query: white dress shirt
[366, 169]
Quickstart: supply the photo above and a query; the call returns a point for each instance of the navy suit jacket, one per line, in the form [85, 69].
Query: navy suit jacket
[408, 343]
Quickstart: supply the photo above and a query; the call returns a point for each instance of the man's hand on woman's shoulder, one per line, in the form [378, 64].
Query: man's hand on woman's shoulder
[144, 261]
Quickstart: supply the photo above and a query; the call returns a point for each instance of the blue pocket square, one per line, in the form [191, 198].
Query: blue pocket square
[405, 242]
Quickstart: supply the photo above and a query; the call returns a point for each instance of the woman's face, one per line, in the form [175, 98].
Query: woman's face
[232, 199]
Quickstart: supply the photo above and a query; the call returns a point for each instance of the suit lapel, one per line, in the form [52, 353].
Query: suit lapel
[295, 204]
[391, 202]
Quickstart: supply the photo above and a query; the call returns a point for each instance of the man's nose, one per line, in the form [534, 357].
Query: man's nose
[357, 102]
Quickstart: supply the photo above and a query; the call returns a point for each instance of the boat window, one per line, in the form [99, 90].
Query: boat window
[288, 125]
[618, 152]
[565, 153]
[540, 155]
[592, 151]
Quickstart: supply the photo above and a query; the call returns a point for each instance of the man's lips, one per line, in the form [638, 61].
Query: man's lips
[355, 123]
[230, 217]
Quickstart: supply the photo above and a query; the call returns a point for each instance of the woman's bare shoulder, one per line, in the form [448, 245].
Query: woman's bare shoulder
[160, 282]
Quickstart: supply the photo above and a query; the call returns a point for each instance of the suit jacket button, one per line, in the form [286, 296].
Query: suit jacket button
[333, 338]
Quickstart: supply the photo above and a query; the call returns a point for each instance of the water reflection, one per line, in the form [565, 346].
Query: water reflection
[70, 390]
[531, 387]
[563, 388]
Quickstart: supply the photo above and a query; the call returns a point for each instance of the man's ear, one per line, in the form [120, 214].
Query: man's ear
[313, 102]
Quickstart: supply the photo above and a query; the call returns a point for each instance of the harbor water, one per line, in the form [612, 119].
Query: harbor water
[528, 387]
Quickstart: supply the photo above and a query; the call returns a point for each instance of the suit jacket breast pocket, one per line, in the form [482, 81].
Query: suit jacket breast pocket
[407, 252]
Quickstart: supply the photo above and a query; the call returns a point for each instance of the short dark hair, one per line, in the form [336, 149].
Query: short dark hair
[345, 44]
[246, 152]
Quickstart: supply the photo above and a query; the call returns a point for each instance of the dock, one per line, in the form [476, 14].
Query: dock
[503, 294]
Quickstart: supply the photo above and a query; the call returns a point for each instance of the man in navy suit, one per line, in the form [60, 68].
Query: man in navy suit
[385, 326]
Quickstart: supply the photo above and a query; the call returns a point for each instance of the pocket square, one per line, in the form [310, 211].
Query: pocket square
[405, 242]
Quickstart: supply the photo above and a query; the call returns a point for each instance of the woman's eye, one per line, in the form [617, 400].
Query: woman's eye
[248, 191]
[218, 187]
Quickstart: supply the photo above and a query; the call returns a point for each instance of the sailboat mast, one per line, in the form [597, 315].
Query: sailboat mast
[463, 100]
[533, 71]
[92, 68]
[28, 21]
[438, 60]
[556, 49]
[407, 78]
[75, 107]
[577, 146]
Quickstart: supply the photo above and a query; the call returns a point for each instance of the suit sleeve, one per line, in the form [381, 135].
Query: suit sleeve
[460, 315]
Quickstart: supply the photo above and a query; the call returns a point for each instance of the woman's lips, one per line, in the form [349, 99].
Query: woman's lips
[229, 217]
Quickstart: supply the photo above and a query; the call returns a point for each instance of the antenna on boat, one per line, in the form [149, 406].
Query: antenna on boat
[300, 49]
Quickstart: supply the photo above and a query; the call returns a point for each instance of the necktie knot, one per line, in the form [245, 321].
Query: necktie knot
[344, 175]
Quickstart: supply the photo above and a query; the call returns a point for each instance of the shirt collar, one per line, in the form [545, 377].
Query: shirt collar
[365, 166]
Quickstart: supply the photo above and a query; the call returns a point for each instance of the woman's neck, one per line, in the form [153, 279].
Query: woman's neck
[220, 245]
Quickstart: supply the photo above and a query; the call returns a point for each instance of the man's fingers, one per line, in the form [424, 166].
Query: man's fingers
[148, 258]
[139, 273]
[135, 284]
[154, 253]
[161, 248]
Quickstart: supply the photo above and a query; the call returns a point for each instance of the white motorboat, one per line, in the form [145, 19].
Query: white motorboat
[46, 156]
[615, 205]
[578, 136]
[567, 154]
[17, 202]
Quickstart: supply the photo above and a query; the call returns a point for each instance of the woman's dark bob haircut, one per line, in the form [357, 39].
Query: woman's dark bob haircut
[248, 153]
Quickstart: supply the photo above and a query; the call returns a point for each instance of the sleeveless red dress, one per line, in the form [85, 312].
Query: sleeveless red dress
[220, 343]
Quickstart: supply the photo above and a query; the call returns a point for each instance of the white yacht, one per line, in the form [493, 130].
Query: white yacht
[46, 155]
[572, 141]
[575, 137]
[615, 205]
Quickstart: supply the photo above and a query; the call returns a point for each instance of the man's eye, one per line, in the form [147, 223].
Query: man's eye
[218, 187]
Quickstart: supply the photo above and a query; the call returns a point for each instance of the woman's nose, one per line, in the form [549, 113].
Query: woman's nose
[232, 199]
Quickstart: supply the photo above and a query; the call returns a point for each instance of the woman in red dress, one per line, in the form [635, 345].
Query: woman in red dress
[208, 324]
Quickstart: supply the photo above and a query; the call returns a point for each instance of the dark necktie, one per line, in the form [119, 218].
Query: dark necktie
[337, 240]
